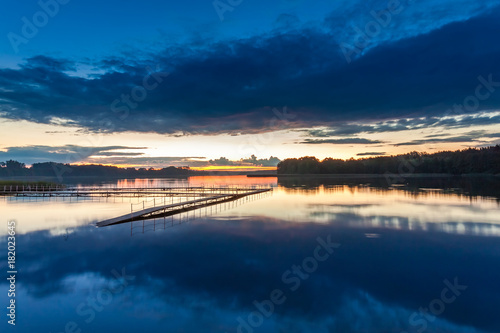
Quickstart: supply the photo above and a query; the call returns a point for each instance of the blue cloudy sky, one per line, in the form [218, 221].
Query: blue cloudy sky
[164, 82]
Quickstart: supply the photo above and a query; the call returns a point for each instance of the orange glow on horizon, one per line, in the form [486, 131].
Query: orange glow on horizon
[233, 168]
[202, 168]
[231, 180]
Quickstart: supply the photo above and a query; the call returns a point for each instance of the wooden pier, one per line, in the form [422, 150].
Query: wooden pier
[21, 191]
[176, 208]
[190, 198]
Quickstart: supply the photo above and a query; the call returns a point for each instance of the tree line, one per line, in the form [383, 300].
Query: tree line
[467, 161]
[13, 168]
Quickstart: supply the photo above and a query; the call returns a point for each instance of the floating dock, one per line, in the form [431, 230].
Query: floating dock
[22, 191]
[176, 208]
[190, 198]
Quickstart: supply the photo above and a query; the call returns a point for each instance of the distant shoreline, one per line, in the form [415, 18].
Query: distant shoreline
[353, 175]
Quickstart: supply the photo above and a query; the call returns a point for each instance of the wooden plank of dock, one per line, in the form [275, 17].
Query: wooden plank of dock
[140, 213]
[191, 204]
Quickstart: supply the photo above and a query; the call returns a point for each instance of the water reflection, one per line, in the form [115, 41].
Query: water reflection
[356, 203]
[203, 275]
[487, 186]
[364, 206]
[169, 220]
[398, 245]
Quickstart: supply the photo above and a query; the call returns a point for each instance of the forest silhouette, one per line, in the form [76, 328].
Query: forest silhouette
[467, 161]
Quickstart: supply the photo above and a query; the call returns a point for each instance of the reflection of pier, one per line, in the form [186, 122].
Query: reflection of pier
[209, 198]
[173, 219]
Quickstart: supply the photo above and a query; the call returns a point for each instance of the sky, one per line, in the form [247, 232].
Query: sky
[211, 83]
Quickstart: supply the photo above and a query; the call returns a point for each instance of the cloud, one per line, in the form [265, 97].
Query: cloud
[253, 160]
[470, 137]
[42, 61]
[232, 86]
[371, 154]
[354, 129]
[118, 155]
[101, 153]
[62, 154]
[221, 161]
[271, 161]
[155, 162]
[341, 141]
[455, 139]
[350, 22]
[349, 129]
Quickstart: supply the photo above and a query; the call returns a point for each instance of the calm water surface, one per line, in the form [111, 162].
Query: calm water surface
[318, 255]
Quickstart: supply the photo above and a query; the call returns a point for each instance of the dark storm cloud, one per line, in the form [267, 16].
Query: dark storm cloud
[231, 87]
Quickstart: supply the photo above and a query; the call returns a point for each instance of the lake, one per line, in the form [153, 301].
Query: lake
[315, 255]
